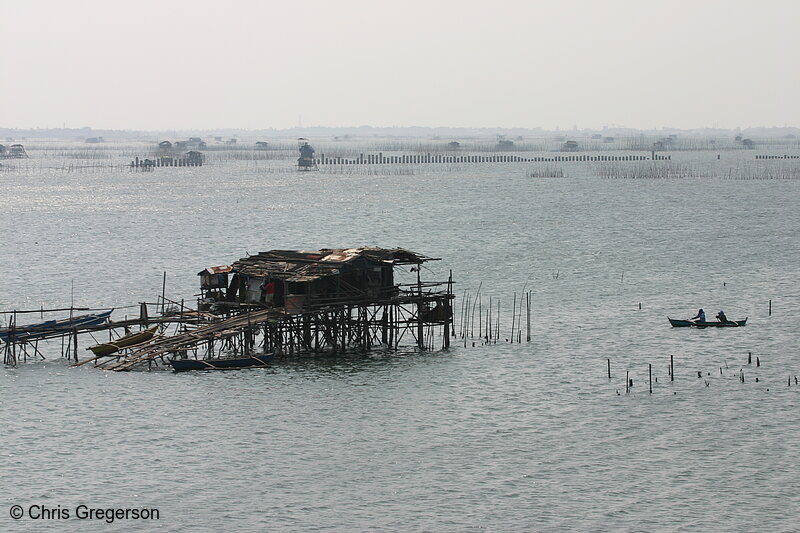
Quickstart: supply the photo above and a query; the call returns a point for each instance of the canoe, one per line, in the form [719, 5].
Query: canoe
[43, 329]
[108, 348]
[26, 331]
[690, 323]
[254, 361]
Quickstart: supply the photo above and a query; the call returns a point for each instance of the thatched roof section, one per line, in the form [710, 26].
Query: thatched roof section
[294, 265]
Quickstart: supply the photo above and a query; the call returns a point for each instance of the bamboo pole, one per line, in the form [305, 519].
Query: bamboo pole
[513, 316]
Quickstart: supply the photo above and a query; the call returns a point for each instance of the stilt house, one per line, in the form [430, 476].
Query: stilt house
[306, 280]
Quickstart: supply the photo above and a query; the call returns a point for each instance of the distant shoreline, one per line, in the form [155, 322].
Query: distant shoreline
[378, 131]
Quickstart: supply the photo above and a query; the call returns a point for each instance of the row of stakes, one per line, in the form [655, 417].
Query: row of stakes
[671, 371]
[629, 381]
[465, 333]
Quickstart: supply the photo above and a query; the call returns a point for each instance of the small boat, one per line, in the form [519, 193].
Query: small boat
[108, 348]
[254, 361]
[692, 324]
[94, 319]
[23, 332]
[43, 329]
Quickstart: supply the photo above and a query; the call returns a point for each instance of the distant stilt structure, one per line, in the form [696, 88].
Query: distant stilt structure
[15, 151]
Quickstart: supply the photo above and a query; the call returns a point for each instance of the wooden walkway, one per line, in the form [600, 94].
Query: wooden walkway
[163, 346]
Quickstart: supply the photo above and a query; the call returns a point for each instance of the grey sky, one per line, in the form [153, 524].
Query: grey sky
[260, 64]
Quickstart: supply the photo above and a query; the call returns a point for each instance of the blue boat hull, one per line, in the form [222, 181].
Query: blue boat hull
[43, 329]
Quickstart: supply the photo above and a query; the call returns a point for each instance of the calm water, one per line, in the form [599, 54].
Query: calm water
[501, 437]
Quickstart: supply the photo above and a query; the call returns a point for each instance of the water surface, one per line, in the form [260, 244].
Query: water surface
[490, 437]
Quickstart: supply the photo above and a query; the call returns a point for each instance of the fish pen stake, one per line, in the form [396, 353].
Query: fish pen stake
[528, 311]
[513, 317]
[497, 330]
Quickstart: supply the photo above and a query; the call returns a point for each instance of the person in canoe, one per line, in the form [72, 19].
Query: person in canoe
[721, 316]
[700, 316]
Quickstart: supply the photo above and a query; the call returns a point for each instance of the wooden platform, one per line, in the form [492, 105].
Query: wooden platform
[161, 347]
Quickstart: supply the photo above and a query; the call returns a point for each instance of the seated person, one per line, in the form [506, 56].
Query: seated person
[700, 316]
[721, 316]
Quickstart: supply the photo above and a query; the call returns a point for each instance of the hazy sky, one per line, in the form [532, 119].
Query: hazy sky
[259, 64]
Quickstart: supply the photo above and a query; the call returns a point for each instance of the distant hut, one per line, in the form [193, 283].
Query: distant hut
[505, 144]
[748, 143]
[17, 151]
[194, 157]
[165, 145]
[2, 150]
[569, 146]
[261, 145]
[454, 145]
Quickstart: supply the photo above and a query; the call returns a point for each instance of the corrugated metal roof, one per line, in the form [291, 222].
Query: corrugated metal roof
[302, 266]
[223, 269]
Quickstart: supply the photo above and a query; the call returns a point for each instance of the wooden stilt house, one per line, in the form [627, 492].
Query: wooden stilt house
[299, 281]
